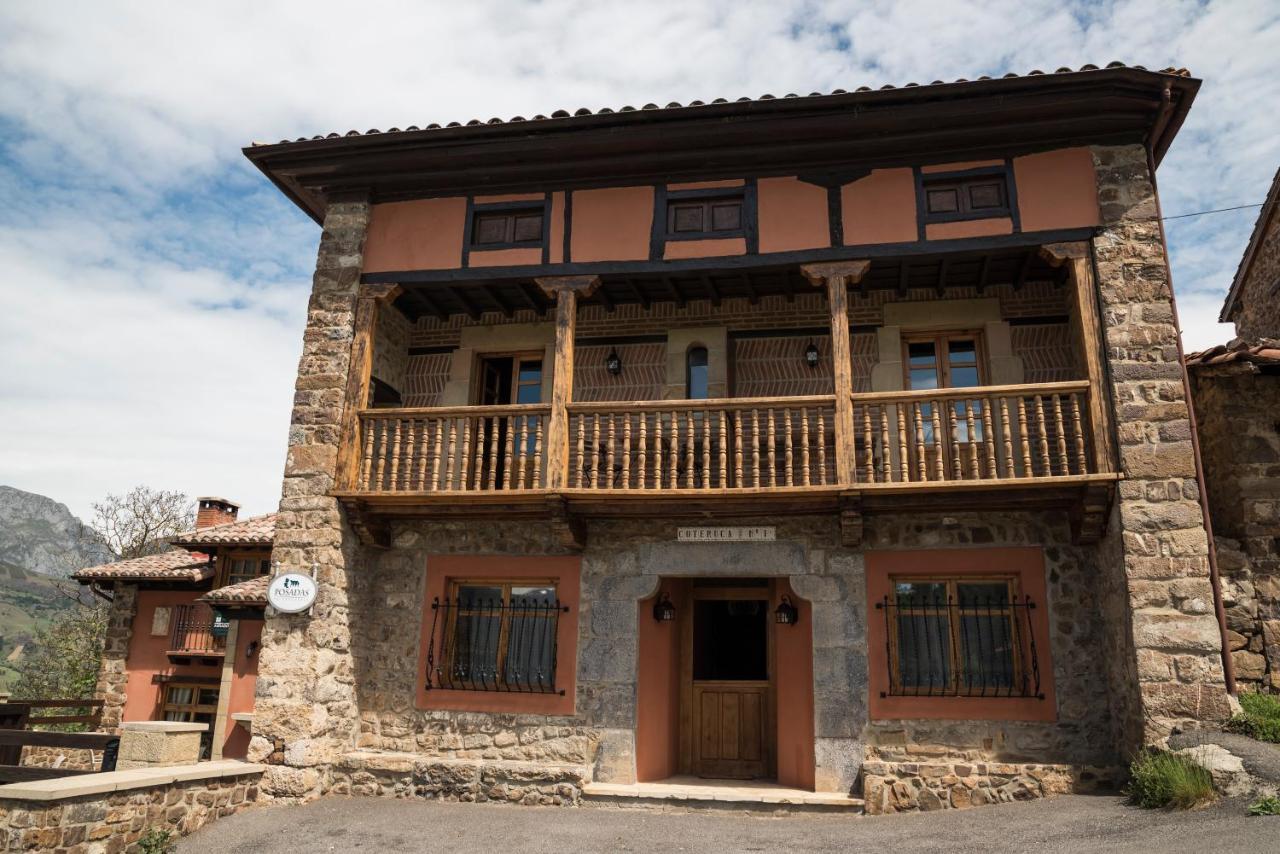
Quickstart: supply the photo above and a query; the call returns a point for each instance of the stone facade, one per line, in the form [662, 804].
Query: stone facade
[1255, 295]
[1237, 408]
[113, 676]
[1162, 636]
[112, 823]
[892, 787]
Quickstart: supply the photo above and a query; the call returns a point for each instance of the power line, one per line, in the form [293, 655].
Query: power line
[1216, 210]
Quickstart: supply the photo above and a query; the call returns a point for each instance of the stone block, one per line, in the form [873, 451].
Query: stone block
[159, 743]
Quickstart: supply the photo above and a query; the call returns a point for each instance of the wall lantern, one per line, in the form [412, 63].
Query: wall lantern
[811, 355]
[663, 610]
[613, 363]
[786, 614]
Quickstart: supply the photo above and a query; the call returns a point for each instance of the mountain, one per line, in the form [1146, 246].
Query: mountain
[28, 602]
[41, 535]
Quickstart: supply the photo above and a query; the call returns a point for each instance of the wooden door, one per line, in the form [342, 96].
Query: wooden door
[729, 689]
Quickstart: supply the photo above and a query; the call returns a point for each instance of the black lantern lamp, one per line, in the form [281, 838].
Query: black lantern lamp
[663, 610]
[811, 355]
[786, 613]
[613, 363]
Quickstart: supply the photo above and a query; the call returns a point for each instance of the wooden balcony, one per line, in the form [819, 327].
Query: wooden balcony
[990, 447]
[193, 637]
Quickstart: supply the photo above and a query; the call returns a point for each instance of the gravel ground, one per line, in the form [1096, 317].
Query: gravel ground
[1073, 823]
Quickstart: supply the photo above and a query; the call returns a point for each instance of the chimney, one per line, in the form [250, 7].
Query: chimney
[215, 511]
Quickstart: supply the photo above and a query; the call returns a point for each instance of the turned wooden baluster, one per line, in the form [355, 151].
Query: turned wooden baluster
[379, 476]
[953, 432]
[402, 481]
[595, 450]
[706, 450]
[464, 478]
[495, 451]
[611, 457]
[626, 451]
[690, 461]
[579, 452]
[675, 450]
[787, 456]
[508, 456]
[657, 450]
[737, 448]
[642, 458]
[1024, 437]
[822, 447]
[755, 447]
[537, 452]
[1044, 436]
[939, 441]
[522, 452]
[921, 464]
[1007, 428]
[1063, 460]
[904, 461]
[989, 437]
[773, 447]
[804, 444]
[868, 443]
[367, 464]
[423, 444]
[724, 452]
[453, 450]
[971, 426]
[482, 451]
[1082, 463]
[885, 453]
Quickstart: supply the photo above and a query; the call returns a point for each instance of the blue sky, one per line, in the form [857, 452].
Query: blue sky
[154, 283]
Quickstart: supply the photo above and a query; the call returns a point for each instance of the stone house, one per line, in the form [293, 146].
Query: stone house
[185, 627]
[1236, 393]
[839, 440]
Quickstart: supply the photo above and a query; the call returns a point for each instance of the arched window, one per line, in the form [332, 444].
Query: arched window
[696, 373]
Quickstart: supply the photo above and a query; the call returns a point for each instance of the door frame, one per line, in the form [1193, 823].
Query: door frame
[687, 721]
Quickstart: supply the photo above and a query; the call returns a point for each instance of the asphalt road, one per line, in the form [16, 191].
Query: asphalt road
[1067, 824]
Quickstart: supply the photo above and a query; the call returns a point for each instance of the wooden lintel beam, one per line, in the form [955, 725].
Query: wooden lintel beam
[507, 311]
[467, 305]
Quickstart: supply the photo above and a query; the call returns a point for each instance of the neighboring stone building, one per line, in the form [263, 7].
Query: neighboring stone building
[1253, 303]
[743, 439]
[185, 626]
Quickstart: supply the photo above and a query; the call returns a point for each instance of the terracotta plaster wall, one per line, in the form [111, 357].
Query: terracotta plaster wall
[425, 234]
[244, 682]
[880, 208]
[792, 215]
[1056, 189]
[147, 656]
[613, 224]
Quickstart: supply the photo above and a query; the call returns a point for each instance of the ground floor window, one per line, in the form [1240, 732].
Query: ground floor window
[498, 635]
[191, 704]
[959, 637]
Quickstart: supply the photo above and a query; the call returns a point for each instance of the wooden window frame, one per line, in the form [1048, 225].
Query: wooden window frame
[940, 339]
[954, 632]
[224, 565]
[510, 210]
[565, 572]
[193, 708]
[961, 182]
[517, 358]
[1025, 563]
[504, 626]
[706, 198]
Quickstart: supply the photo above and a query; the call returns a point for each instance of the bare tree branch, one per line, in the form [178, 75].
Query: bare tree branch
[141, 522]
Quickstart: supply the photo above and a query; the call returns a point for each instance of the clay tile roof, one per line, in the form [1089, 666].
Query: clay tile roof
[254, 531]
[1263, 351]
[173, 565]
[564, 114]
[251, 592]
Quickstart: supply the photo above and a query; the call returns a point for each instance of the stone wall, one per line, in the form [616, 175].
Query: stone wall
[1238, 410]
[113, 822]
[113, 677]
[71, 758]
[1257, 312]
[1160, 620]
[892, 787]
[305, 696]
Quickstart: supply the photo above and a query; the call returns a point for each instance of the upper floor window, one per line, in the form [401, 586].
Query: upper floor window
[973, 197]
[237, 569]
[696, 378]
[507, 228]
[942, 360]
[705, 217]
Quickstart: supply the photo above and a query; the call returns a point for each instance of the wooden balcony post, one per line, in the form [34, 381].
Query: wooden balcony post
[359, 374]
[837, 276]
[565, 290]
[1075, 256]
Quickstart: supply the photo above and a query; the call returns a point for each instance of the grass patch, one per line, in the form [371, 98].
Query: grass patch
[1160, 779]
[1259, 719]
[1266, 806]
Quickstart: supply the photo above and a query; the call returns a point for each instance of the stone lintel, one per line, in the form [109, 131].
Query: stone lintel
[163, 726]
[63, 788]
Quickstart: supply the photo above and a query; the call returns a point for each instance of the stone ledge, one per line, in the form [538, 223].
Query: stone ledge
[164, 726]
[119, 781]
[406, 763]
[891, 787]
[682, 791]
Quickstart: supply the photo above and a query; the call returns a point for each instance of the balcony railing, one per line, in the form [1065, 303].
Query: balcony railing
[905, 438]
[194, 632]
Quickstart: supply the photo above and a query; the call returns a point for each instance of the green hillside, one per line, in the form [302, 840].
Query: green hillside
[28, 601]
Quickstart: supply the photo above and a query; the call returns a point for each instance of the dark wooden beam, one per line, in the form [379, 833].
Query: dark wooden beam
[710, 285]
[535, 306]
[507, 311]
[641, 296]
[753, 296]
[419, 295]
[941, 287]
[903, 271]
[1024, 270]
[471, 309]
[676, 293]
[982, 274]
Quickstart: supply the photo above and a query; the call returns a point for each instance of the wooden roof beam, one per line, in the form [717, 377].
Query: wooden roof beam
[468, 306]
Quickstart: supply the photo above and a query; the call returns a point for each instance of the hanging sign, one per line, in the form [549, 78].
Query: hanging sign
[291, 593]
[221, 625]
[751, 534]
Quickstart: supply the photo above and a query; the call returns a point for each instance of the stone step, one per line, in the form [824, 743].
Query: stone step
[727, 795]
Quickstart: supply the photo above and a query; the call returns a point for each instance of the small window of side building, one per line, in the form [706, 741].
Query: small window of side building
[713, 218]
[977, 197]
[507, 228]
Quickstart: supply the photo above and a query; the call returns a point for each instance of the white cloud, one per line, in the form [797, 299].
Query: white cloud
[129, 210]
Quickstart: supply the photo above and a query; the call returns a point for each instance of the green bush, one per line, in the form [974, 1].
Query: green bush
[156, 841]
[1160, 779]
[1266, 806]
[1260, 718]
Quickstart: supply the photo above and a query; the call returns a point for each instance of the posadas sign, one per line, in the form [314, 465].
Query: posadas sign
[291, 593]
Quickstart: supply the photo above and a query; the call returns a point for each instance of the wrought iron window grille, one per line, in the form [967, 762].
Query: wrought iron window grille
[942, 648]
[493, 645]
